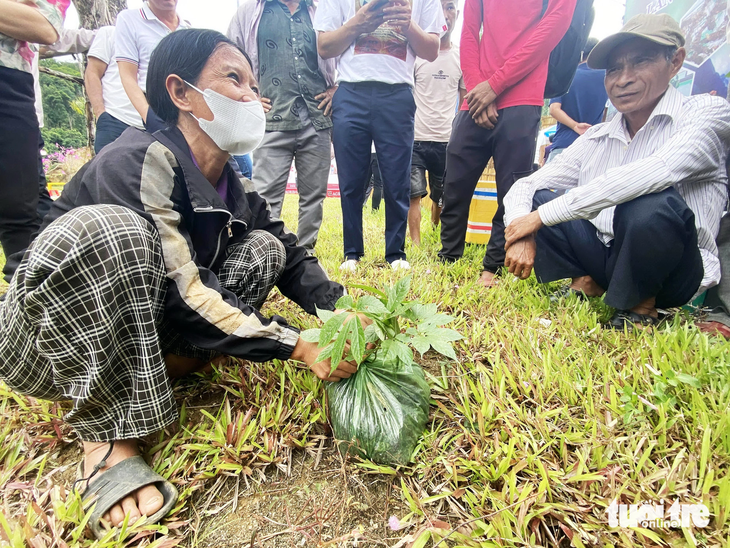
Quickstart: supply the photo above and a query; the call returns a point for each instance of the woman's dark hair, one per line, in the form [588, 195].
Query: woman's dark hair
[184, 53]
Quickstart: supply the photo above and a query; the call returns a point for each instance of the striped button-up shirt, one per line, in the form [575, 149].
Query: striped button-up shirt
[684, 145]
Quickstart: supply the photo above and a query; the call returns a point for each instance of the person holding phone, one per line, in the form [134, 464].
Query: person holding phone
[377, 43]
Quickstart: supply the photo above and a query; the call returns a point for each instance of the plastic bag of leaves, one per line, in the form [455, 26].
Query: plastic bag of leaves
[381, 411]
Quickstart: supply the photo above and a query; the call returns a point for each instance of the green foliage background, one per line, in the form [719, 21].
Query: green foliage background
[63, 108]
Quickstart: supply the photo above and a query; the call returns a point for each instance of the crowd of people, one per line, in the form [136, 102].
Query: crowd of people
[158, 256]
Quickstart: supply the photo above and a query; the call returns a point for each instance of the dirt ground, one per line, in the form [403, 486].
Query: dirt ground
[319, 503]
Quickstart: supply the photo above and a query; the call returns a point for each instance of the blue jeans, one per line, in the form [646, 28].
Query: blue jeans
[245, 165]
[363, 113]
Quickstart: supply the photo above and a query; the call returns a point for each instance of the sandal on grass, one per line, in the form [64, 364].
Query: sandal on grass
[120, 481]
[625, 319]
[566, 292]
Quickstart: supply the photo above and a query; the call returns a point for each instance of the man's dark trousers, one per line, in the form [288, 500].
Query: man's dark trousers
[19, 137]
[362, 113]
[108, 130]
[654, 252]
[512, 145]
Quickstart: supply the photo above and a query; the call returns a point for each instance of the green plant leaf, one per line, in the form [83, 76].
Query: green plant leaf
[344, 302]
[324, 314]
[310, 335]
[438, 319]
[398, 292]
[330, 328]
[688, 379]
[421, 344]
[371, 333]
[371, 305]
[397, 350]
[357, 339]
[444, 348]
[325, 353]
[422, 312]
[370, 289]
[338, 349]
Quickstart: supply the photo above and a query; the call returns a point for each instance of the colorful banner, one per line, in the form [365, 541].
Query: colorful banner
[705, 24]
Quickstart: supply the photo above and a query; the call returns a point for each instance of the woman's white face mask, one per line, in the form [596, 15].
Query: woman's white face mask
[237, 127]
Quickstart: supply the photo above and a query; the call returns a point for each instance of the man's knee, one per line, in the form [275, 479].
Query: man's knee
[542, 197]
[653, 211]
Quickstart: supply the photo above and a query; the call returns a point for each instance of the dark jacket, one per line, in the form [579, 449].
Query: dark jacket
[154, 176]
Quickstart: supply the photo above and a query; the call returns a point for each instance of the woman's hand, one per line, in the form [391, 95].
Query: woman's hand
[307, 352]
[266, 103]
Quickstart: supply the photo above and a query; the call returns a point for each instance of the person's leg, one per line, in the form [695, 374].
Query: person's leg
[351, 138]
[377, 182]
[80, 322]
[554, 153]
[272, 165]
[313, 170]
[393, 118]
[418, 191]
[253, 267]
[108, 130]
[515, 139]
[245, 165]
[569, 250]
[718, 297]
[251, 270]
[467, 154]
[436, 166]
[19, 134]
[44, 199]
[654, 254]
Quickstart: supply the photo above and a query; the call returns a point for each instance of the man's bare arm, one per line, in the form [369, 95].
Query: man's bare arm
[92, 79]
[23, 22]
[128, 74]
[334, 43]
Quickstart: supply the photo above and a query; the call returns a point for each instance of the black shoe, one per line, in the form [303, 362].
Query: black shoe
[566, 292]
[626, 320]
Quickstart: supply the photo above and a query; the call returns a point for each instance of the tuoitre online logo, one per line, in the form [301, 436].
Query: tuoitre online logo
[658, 516]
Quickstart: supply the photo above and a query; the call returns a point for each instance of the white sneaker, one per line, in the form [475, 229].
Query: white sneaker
[399, 264]
[350, 265]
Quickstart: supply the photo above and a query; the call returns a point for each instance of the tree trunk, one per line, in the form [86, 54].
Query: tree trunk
[98, 13]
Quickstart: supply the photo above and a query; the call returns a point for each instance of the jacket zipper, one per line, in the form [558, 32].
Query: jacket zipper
[228, 226]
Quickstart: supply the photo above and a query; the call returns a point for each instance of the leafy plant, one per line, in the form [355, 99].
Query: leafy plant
[398, 326]
[382, 410]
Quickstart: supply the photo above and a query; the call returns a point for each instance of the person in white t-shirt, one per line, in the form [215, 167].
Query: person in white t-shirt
[438, 86]
[377, 42]
[112, 108]
[138, 32]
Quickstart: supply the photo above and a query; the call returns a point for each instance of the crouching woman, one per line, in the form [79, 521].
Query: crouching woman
[156, 259]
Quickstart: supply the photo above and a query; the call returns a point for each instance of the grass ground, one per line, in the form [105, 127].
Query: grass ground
[545, 419]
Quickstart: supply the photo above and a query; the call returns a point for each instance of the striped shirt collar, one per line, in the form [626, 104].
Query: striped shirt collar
[670, 105]
[148, 15]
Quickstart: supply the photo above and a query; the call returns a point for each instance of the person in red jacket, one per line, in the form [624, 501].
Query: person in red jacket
[505, 72]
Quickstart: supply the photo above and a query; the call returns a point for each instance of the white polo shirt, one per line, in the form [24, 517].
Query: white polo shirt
[115, 98]
[383, 55]
[138, 33]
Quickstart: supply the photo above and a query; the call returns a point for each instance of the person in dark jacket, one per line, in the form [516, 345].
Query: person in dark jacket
[155, 259]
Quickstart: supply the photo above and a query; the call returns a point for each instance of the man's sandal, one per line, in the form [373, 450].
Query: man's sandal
[626, 320]
[566, 292]
[120, 481]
